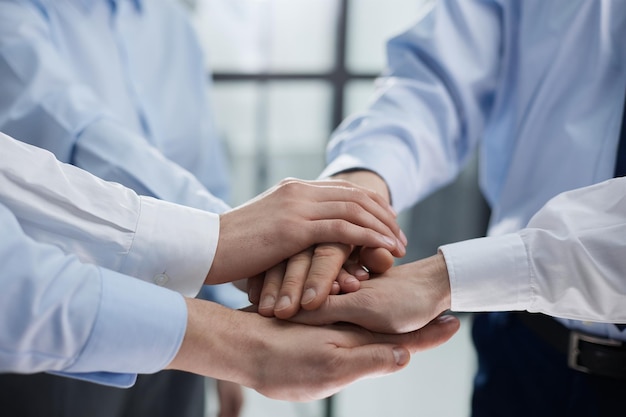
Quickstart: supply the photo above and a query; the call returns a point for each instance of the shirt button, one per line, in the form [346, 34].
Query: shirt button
[161, 279]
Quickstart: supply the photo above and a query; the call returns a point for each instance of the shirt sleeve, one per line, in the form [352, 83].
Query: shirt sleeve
[569, 261]
[430, 105]
[105, 223]
[77, 319]
[44, 103]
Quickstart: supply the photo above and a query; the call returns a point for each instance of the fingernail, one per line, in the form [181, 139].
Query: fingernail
[390, 242]
[361, 273]
[283, 302]
[405, 241]
[448, 318]
[267, 303]
[308, 296]
[401, 247]
[401, 356]
[350, 280]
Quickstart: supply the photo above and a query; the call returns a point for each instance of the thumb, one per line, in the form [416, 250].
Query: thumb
[374, 360]
[435, 333]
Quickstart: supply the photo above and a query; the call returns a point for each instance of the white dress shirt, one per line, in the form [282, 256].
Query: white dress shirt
[61, 311]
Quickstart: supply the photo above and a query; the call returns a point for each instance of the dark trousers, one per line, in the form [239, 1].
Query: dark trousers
[521, 375]
[165, 394]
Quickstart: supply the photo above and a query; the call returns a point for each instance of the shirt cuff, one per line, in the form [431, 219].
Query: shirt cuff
[392, 162]
[489, 274]
[174, 246]
[138, 329]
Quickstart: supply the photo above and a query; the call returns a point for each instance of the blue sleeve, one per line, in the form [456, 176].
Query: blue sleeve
[60, 315]
[431, 103]
[45, 103]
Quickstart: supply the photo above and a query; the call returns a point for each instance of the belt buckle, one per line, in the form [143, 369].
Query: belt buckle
[574, 348]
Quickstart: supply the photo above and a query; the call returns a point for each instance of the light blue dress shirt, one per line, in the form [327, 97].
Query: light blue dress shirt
[120, 89]
[79, 320]
[536, 86]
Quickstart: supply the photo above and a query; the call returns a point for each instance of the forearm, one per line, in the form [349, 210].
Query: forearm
[429, 109]
[104, 223]
[216, 344]
[41, 86]
[113, 152]
[569, 262]
[75, 318]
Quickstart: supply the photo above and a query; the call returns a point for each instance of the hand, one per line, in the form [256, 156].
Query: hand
[403, 299]
[290, 361]
[306, 279]
[230, 397]
[295, 215]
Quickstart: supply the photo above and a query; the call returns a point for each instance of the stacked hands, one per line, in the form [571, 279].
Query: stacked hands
[319, 253]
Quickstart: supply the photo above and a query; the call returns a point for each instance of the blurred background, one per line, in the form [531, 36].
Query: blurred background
[285, 73]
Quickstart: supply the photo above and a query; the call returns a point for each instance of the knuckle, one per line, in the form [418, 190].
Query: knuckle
[340, 227]
[352, 209]
[292, 187]
[291, 285]
[329, 252]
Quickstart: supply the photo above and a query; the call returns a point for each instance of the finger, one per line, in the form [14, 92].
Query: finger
[271, 286]
[356, 270]
[435, 333]
[336, 229]
[288, 302]
[376, 197]
[335, 308]
[372, 360]
[353, 268]
[254, 287]
[376, 260]
[325, 266]
[349, 194]
[349, 282]
[356, 215]
[335, 289]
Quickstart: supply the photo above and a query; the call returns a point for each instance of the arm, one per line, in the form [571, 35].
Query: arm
[104, 223]
[424, 122]
[147, 238]
[87, 322]
[81, 320]
[431, 104]
[45, 102]
[272, 356]
[568, 262]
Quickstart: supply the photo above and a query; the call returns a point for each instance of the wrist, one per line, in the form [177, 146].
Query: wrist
[207, 347]
[366, 178]
[442, 279]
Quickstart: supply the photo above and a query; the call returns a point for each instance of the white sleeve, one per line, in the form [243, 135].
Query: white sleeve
[77, 319]
[104, 223]
[569, 262]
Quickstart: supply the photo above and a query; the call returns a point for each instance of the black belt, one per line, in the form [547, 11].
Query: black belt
[589, 354]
